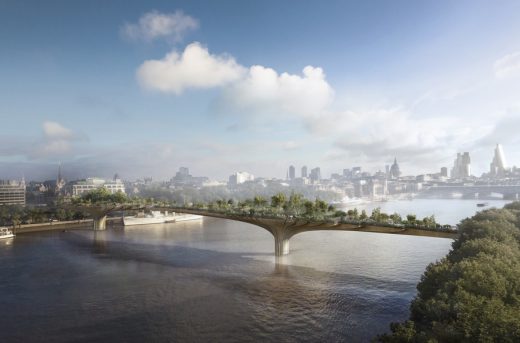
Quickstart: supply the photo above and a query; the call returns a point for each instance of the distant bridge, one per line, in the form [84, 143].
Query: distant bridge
[282, 229]
[509, 192]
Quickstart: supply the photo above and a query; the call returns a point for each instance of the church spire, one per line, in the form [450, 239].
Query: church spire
[58, 180]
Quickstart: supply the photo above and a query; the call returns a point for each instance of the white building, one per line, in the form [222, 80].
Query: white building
[89, 184]
[240, 177]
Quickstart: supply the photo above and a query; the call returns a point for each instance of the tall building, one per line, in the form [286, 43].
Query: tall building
[498, 166]
[315, 174]
[394, 170]
[182, 176]
[444, 171]
[304, 171]
[461, 166]
[292, 173]
[12, 192]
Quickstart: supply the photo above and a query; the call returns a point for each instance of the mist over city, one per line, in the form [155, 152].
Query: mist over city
[318, 171]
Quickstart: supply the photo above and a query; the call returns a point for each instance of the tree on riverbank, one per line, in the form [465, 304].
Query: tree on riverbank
[15, 215]
[473, 294]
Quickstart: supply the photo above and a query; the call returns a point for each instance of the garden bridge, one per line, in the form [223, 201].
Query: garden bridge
[282, 228]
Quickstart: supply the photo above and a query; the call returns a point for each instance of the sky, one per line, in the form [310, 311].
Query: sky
[142, 88]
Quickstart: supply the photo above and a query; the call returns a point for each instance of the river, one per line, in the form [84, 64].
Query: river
[214, 281]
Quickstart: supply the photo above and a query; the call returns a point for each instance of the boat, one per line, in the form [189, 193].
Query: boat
[346, 201]
[156, 217]
[187, 217]
[6, 233]
[482, 204]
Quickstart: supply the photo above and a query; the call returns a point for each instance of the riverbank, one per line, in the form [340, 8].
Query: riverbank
[60, 225]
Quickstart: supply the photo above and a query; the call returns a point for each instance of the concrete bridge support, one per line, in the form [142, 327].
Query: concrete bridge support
[100, 223]
[281, 246]
[281, 242]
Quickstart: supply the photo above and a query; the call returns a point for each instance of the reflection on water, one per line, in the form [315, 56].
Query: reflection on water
[214, 280]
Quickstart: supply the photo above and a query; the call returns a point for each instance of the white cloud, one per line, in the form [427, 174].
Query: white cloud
[195, 68]
[54, 130]
[508, 66]
[381, 133]
[58, 140]
[263, 89]
[291, 145]
[255, 89]
[154, 24]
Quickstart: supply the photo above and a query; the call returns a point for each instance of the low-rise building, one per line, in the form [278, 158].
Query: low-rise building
[240, 177]
[81, 186]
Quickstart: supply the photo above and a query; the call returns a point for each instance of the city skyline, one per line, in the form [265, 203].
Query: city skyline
[496, 168]
[142, 89]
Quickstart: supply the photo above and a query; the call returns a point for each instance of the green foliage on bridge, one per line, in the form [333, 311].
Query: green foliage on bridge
[473, 294]
[279, 205]
[101, 196]
[296, 206]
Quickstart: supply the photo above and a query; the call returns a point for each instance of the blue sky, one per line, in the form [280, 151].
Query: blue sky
[142, 88]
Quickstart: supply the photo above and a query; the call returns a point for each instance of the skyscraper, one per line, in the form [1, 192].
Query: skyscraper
[461, 166]
[292, 173]
[315, 174]
[498, 166]
[304, 171]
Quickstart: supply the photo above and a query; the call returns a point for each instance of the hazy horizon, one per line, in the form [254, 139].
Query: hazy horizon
[142, 89]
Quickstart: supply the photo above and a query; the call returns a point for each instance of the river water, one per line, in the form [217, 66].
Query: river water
[212, 281]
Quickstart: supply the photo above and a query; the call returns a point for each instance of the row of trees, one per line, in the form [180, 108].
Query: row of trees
[15, 215]
[190, 194]
[296, 205]
[279, 204]
[473, 294]
[395, 218]
[99, 196]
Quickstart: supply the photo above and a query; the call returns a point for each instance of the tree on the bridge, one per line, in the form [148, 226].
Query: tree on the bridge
[278, 200]
[411, 218]
[341, 214]
[320, 206]
[102, 195]
[295, 204]
[309, 208]
[353, 214]
[429, 221]
[396, 218]
[376, 214]
[259, 201]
